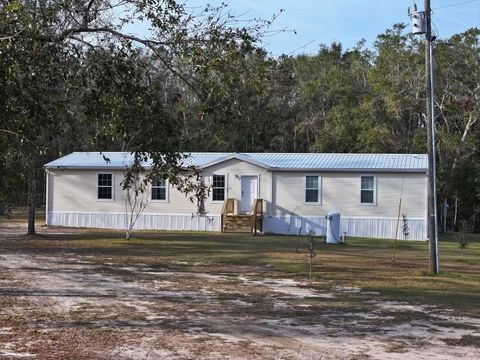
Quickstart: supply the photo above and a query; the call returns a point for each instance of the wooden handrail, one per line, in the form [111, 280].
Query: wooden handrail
[227, 208]
[257, 207]
[257, 216]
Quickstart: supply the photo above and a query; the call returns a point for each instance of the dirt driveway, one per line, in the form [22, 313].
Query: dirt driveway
[73, 306]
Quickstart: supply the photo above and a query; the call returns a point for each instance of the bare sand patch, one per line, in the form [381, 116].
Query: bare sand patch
[136, 312]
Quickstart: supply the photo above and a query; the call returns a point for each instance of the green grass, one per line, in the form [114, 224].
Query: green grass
[366, 263]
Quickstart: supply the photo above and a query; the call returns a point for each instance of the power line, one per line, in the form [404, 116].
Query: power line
[301, 47]
[455, 4]
[436, 31]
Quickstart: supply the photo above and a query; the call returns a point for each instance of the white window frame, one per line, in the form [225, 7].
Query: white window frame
[225, 191]
[167, 192]
[319, 199]
[113, 185]
[374, 203]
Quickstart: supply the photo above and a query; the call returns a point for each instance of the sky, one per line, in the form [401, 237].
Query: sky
[347, 21]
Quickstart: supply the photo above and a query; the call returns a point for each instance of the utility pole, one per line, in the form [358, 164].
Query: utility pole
[422, 24]
[432, 163]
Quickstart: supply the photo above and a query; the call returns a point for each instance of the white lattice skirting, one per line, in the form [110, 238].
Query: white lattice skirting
[174, 222]
[356, 227]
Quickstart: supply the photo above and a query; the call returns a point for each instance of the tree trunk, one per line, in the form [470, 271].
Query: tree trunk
[456, 213]
[32, 197]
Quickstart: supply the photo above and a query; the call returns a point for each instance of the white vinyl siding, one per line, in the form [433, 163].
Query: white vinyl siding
[340, 191]
[234, 170]
[75, 190]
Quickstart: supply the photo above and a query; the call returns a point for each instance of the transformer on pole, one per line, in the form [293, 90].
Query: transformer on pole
[418, 20]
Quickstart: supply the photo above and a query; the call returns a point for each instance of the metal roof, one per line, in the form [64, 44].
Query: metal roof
[271, 161]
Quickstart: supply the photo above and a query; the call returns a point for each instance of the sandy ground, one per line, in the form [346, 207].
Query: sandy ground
[73, 307]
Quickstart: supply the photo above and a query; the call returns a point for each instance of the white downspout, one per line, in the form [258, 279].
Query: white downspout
[272, 194]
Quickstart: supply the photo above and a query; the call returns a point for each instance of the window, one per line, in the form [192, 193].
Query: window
[104, 188]
[159, 190]
[367, 191]
[311, 189]
[218, 188]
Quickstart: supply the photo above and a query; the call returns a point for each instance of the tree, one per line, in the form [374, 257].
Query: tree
[458, 103]
[135, 186]
[52, 85]
[72, 78]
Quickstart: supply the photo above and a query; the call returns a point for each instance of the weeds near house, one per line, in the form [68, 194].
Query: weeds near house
[462, 242]
[311, 249]
[298, 239]
[405, 228]
[461, 235]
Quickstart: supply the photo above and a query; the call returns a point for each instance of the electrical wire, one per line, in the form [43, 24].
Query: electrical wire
[455, 4]
[435, 31]
[301, 47]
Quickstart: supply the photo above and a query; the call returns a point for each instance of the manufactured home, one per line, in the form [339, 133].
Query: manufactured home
[288, 193]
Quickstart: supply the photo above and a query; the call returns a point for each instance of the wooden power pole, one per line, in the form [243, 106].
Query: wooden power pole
[422, 24]
[432, 187]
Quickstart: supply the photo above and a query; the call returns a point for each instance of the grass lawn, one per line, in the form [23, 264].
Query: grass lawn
[364, 263]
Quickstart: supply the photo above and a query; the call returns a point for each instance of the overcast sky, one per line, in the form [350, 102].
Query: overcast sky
[345, 21]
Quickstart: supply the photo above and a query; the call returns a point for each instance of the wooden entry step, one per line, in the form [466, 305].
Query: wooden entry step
[242, 223]
[237, 223]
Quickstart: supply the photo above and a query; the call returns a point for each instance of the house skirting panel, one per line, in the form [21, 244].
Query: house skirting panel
[356, 227]
[174, 222]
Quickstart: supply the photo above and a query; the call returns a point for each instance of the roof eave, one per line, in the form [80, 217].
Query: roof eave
[69, 167]
[366, 170]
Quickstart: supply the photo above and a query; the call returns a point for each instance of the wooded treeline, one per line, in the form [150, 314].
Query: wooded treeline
[71, 79]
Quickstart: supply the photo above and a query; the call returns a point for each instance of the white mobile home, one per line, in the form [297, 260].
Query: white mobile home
[296, 190]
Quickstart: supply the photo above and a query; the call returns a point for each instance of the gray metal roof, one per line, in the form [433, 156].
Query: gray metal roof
[271, 161]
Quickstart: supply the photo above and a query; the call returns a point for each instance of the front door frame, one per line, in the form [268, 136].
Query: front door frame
[256, 196]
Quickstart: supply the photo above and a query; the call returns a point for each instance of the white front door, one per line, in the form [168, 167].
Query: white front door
[249, 192]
